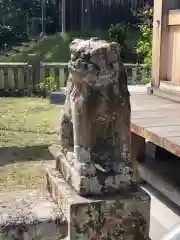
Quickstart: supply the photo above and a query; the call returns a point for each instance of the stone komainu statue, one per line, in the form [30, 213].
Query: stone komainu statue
[93, 154]
[94, 127]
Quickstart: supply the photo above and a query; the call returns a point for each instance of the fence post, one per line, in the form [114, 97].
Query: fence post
[52, 72]
[42, 73]
[34, 61]
[61, 77]
[21, 78]
[29, 79]
[10, 78]
[134, 75]
[1, 78]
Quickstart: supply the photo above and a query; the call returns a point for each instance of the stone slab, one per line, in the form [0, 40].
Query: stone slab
[124, 216]
[58, 97]
[94, 181]
[29, 215]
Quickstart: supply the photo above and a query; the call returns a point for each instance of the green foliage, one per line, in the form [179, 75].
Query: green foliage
[55, 48]
[14, 19]
[51, 49]
[48, 85]
[145, 80]
[19, 18]
[118, 33]
[144, 45]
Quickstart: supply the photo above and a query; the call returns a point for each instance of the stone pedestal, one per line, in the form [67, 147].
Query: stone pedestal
[124, 216]
[94, 181]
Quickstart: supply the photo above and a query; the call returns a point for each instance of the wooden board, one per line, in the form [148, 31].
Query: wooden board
[173, 57]
[157, 120]
[173, 18]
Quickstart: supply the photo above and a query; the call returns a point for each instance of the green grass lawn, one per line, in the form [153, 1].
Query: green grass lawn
[27, 127]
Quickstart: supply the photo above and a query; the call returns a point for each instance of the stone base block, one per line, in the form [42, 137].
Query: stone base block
[123, 217]
[58, 97]
[31, 215]
[93, 181]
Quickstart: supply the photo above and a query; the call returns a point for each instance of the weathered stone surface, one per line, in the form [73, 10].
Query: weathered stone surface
[99, 183]
[121, 217]
[94, 128]
[30, 215]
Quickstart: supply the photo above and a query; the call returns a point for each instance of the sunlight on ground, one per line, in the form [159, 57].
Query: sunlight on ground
[21, 176]
[25, 123]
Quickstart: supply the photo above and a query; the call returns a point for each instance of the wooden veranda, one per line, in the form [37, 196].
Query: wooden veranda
[156, 120]
[156, 117]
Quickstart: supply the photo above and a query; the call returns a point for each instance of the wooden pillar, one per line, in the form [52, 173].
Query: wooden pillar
[160, 37]
[88, 14]
[43, 16]
[82, 14]
[63, 13]
[138, 153]
[59, 16]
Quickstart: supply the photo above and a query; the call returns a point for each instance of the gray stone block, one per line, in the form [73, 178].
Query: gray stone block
[93, 181]
[30, 215]
[58, 97]
[124, 216]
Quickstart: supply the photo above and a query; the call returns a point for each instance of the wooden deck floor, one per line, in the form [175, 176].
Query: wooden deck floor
[156, 119]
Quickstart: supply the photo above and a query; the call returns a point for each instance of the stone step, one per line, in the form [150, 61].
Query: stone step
[61, 192]
[125, 215]
[31, 215]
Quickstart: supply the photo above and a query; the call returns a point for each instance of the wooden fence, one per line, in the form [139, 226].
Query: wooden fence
[24, 76]
[99, 14]
[17, 76]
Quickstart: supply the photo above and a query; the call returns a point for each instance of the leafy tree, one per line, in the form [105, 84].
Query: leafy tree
[16, 14]
[118, 33]
[144, 45]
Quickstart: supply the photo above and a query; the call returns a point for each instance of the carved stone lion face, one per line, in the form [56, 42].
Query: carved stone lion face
[94, 61]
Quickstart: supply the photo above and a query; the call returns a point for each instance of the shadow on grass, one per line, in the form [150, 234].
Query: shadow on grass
[24, 154]
[27, 131]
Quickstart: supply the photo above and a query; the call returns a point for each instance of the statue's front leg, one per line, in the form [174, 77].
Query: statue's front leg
[121, 140]
[82, 126]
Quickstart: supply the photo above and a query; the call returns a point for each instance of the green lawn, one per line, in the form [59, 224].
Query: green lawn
[27, 127]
